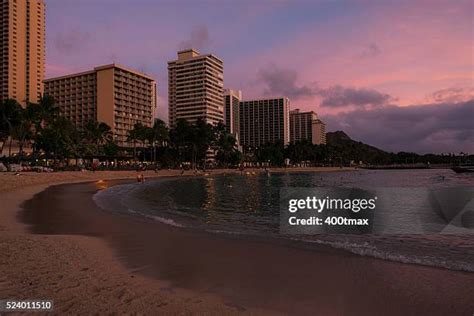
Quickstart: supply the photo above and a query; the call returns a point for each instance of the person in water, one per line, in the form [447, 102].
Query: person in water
[140, 178]
[267, 172]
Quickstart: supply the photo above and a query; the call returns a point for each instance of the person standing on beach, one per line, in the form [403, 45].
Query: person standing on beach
[241, 168]
[94, 166]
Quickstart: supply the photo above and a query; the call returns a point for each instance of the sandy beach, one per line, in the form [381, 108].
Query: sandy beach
[60, 246]
[80, 273]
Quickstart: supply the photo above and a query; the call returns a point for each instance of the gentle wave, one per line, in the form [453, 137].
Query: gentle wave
[114, 199]
[369, 250]
[160, 219]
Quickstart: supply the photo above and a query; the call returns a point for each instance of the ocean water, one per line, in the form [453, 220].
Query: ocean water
[250, 205]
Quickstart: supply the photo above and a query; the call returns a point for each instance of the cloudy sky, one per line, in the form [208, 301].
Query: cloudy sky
[392, 73]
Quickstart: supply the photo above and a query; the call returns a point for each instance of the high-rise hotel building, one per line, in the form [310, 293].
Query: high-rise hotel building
[231, 111]
[307, 126]
[113, 94]
[264, 121]
[319, 132]
[195, 88]
[22, 57]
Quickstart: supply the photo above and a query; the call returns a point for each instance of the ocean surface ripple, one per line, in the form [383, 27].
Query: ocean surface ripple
[249, 205]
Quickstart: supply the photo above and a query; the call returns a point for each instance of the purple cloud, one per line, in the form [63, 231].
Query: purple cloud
[456, 94]
[339, 96]
[370, 50]
[198, 39]
[283, 82]
[71, 40]
[444, 127]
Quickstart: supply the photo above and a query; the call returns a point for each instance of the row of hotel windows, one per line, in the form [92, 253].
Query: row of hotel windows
[199, 85]
[120, 110]
[209, 76]
[126, 110]
[190, 92]
[261, 111]
[180, 94]
[71, 93]
[91, 97]
[138, 87]
[197, 72]
[261, 132]
[133, 84]
[139, 97]
[216, 84]
[134, 102]
[206, 101]
[69, 86]
[133, 92]
[263, 102]
[126, 76]
[251, 124]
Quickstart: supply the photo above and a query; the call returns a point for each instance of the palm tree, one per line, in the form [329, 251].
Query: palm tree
[203, 138]
[157, 135]
[58, 139]
[138, 133]
[193, 140]
[24, 131]
[180, 137]
[77, 146]
[98, 133]
[226, 148]
[45, 111]
[132, 137]
[42, 113]
[10, 117]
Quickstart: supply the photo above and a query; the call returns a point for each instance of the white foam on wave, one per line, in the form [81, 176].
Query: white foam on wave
[163, 220]
[368, 250]
[114, 200]
[227, 232]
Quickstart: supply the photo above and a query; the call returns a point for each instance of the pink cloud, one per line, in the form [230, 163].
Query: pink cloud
[401, 49]
[55, 70]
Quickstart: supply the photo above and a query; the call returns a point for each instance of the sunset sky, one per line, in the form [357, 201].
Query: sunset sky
[396, 74]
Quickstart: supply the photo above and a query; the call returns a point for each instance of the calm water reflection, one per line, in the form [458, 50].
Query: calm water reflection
[250, 205]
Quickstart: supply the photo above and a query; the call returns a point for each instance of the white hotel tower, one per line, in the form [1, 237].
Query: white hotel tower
[195, 88]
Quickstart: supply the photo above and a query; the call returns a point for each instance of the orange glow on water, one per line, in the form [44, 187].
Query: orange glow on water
[101, 185]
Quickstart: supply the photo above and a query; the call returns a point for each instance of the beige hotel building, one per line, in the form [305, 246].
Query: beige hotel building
[195, 88]
[307, 126]
[264, 121]
[113, 94]
[22, 58]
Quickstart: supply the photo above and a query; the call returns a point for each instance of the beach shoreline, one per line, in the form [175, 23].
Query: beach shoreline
[87, 273]
[80, 273]
[23, 277]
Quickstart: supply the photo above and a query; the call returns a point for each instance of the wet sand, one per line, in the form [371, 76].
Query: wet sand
[229, 274]
[81, 273]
